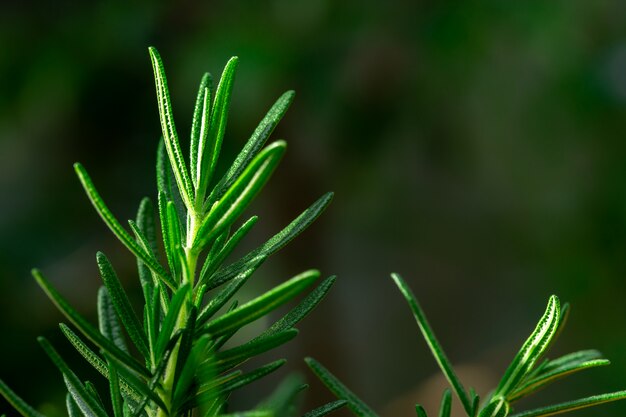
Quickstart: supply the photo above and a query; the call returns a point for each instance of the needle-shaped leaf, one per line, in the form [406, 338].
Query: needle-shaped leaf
[95, 361]
[117, 228]
[446, 404]
[170, 136]
[122, 305]
[573, 405]
[419, 410]
[299, 312]
[226, 293]
[147, 392]
[179, 298]
[173, 260]
[224, 213]
[531, 351]
[228, 359]
[433, 343]
[232, 384]
[528, 387]
[326, 409]
[91, 389]
[210, 141]
[188, 372]
[18, 403]
[87, 329]
[254, 144]
[212, 263]
[107, 320]
[342, 392]
[572, 359]
[86, 402]
[275, 243]
[174, 233]
[115, 392]
[146, 222]
[497, 407]
[200, 124]
[282, 401]
[262, 305]
[72, 407]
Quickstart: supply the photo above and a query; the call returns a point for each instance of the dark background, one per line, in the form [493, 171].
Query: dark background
[478, 151]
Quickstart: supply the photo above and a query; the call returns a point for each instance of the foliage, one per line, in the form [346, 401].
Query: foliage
[525, 375]
[183, 365]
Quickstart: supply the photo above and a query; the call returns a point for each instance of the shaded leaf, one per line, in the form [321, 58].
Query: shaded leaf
[261, 305]
[355, 404]
[86, 328]
[433, 343]
[278, 241]
[117, 228]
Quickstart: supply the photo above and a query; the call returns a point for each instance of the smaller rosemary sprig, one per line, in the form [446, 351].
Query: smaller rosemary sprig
[524, 376]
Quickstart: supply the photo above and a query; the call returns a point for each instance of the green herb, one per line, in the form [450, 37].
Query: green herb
[182, 367]
[524, 375]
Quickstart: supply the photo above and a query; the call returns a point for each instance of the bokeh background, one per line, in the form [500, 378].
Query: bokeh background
[477, 150]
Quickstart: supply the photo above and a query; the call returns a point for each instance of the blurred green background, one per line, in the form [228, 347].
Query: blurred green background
[477, 150]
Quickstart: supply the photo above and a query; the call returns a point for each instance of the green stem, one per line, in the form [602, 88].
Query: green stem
[189, 275]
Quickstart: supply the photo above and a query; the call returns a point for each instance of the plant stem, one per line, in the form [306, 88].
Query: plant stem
[188, 276]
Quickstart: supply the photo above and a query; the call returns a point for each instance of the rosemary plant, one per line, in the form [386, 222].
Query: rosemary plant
[525, 375]
[183, 367]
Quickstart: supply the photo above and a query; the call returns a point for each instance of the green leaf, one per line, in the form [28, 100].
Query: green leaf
[72, 407]
[572, 359]
[190, 366]
[497, 407]
[145, 391]
[211, 142]
[146, 222]
[86, 402]
[107, 320]
[254, 144]
[294, 316]
[573, 405]
[117, 228]
[277, 241]
[433, 343]
[170, 136]
[446, 404]
[262, 305]
[116, 394]
[86, 328]
[222, 297]
[419, 410]
[18, 403]
[175, 235]
[91, 389]
[282, 402]
[122, 305]
[227, 359]
[173, 260]
[212, 263]
[355, 404]
[178, 300]
[326, 409]
[152, 318]
[232, 384]
[200, 124]
[224, 213]
[95, 361]
[528, 387]
[531, 351]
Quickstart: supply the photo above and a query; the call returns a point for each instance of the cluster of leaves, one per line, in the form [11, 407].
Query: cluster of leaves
[525, 375]
[188, 313]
